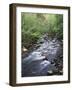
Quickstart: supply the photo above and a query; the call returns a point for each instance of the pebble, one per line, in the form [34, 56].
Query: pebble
[50, 72]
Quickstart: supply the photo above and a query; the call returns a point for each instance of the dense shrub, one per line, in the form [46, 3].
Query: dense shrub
[33, 26]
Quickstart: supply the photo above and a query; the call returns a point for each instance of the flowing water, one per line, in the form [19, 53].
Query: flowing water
[39, 61]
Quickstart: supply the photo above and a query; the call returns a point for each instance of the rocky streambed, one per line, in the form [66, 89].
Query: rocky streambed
[45, 60]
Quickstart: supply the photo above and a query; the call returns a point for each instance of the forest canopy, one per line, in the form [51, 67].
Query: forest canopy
[35, 25]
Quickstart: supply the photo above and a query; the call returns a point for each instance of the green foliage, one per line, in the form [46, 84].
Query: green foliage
[34, 25]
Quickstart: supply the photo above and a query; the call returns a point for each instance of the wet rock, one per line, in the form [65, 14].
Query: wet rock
[61, 72]
[41, 42]
[45, 59]
[61, 56]
[50, 72]
[37, 46]
[52, 62]
[55, 72]
[54, 41]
